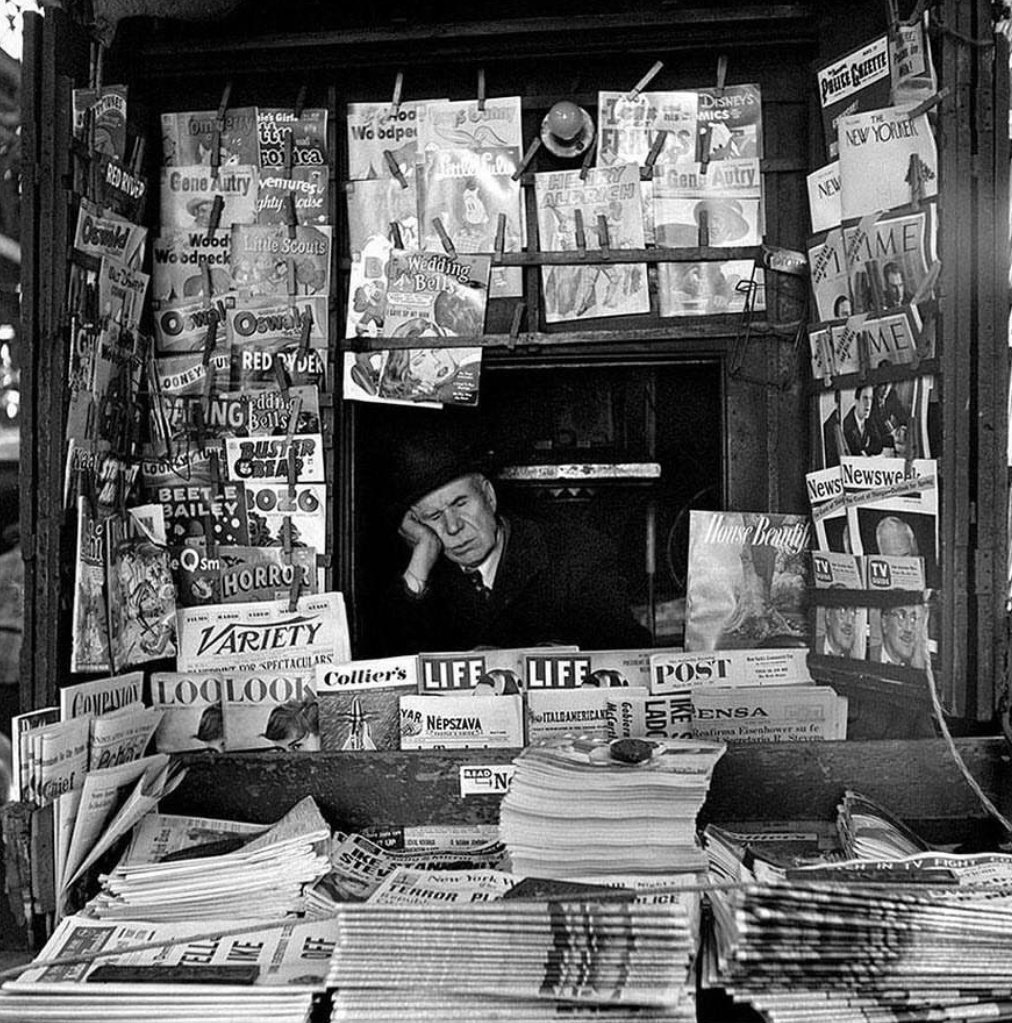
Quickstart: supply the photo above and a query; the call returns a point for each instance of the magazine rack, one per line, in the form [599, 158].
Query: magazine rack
[765, 421]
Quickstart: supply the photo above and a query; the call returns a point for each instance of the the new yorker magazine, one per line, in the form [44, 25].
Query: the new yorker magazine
[747, 580]
[611, 193]
[467, 158]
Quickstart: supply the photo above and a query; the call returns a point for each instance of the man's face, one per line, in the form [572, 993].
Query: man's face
[462, 515]
[840, 628]
[894, 281]
[862, 405]
[899, 631]
[895, 540]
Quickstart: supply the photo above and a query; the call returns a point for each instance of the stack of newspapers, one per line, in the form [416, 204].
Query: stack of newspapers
[579, 807]
[200, 971]
[514, 960]
[265, 876]
[931, 940]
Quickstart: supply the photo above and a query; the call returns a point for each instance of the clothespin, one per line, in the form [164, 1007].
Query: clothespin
[300, 101]
[214, 219]
[863, 357]
[703, 238]
[655, 151]
[911, 449]
[206, 280]
[518, 315]
[293, 592]
[214, 468]
[500, 237]
[96, 58]
[210, 340]
[644, 81]
[588, 159]
[841, 441]
[705, 137]
[917, 174]
[604, 242]
[200, 425]
[294, 411]
[293, 284]
[219, 127]
[930, 103]
[825, 346]
[289, 154]
[395, 168]
[307, 329]
[481, 89]
[210, 543]
[721, 73]
[137, 157]
[927, 286]
[395, 103]
[892, 18]
[396, 238]
[528, 156]
[291, 216]
[581, 237]
[444, 238]
[282, 378]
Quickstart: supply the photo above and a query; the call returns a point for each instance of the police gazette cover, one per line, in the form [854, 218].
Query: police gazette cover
[747, 580]
[264, 635]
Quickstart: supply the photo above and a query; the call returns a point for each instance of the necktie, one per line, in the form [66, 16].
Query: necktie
[475, 579]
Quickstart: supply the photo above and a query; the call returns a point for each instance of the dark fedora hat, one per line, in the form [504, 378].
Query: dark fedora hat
[426, 449]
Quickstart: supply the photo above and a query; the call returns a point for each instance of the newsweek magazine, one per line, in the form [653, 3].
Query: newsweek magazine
[824, 205]
[261, 255]
[191, 711]
[269, 459]
[359, 702]
[888, 257]
[90, 636]
[877, 150]
[430, 294]
[235, 575]
[188, 137]
[627, 127]
[176, 274]
[746, 580]
[829, 509]
[108, 107]
[270, 710]
[274, 509]
[859, 80]
[466, 159]
[893, 511]
[188, 195]
[579, 293]
[264, 635]
[141, 592]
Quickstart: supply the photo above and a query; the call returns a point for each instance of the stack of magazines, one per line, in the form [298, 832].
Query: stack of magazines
[514, 960]
[264, 877]
[579, 807]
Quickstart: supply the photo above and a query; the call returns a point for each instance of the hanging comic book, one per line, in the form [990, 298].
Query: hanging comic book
[269, 459]
[261, 334]
[89, 647]
[107, 106]
[188, 137]
[373, 206]
[303, 194]
[176, 272]
[307, 131]
[267, 263]
[275, 511]
[747, 580]
[142, 596]
[175, 419]
[718, 205]
[270, 411]
[467, 159]
[185, 326]
[121, 293]
[432, 295]
[120, 189]
[628, 126]
[238, 574]
[195, 509]
[98, 233]
[730, 125]
[376, 128]
[188, 196]
[611, 193]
